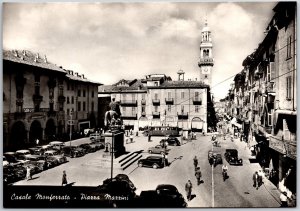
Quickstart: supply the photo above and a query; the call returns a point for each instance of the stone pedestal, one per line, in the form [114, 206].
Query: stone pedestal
[114, 140]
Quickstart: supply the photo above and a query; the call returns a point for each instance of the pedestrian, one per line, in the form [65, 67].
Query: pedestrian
[149, 137]
[37, 141]
[260, 177]
[188, 190]
[198, 175]
[28, 173]
[283, 199]
[131, 137]
[255, 180]
[64, 179]
[195, 162]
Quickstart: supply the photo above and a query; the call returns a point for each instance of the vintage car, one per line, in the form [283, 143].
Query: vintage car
[231, 156]
[158, 149]
[170, 140]
[11, 157]
[87, 148]
[55, 154]
[215, 157]
[34, 169]
[97, 145]
[170, 193]
[13, 172]
[73, 151]
[5, 162]
[39, 161]
[22, 154]
[56, 145]
[36, 150]
[152, 161]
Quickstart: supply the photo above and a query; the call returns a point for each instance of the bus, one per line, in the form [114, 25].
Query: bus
[161, 131]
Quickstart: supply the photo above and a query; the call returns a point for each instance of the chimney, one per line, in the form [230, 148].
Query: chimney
[45, 59]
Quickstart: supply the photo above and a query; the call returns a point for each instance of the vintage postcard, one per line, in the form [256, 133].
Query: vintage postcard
[149, 104]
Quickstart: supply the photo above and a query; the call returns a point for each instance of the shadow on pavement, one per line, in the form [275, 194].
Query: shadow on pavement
[178, 158]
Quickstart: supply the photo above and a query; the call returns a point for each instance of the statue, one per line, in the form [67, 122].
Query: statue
[113, 116]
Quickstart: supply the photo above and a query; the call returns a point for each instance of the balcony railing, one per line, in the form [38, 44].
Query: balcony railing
[129, 102]
[169, 101]
[206, 60]
[197, 101]
[156, 115]
[156, 101]
[183, 115]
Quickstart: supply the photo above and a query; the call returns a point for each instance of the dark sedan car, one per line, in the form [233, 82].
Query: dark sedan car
[231, 156]
[36, 150]
[88, 148]
[152, 161]
[73, 151]
[170, 141]
[170, 193]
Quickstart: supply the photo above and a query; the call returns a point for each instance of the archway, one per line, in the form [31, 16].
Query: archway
[36, 132]
[197, 124]
[18, 137]
[50, 130]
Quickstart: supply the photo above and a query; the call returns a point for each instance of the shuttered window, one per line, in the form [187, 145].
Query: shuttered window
[288, 87]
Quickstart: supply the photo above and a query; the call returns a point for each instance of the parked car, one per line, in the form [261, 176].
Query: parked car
[11, 157]
[97, 145]
[56, 145]
[34, 169]
[158, 149]
[152, 161]
[73, 151]
[5, 162]
[96, 137]
[39, 161]
[21, 154]
[46, 147]
[58, 157]
[231, 156]
[215, 156]
[170, 141]
[87, 148]
[169, 193]
[36, 150]
[13, 172]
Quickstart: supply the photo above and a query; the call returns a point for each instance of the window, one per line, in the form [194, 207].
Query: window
[83, 93]
[79, 106]
[156, 96]
[93, 106]
[143, 96]
[124, 109]
[155, 108]
[83, 106]
[289, 87]
[268, 74]
[79, 93]
[169, 108]
[133, 110]
[169, 95]
[68, 100]
[182, 95]
[72, 100]
[143, 108]
[196, 108]
[270, 119]
[182, 108]
[289, 47]
[197, 96]
[68, 111]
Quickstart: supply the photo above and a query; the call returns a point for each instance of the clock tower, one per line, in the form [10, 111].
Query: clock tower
[206, 59]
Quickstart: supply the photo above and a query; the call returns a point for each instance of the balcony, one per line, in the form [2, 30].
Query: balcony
[129, 116]
[129, 103]
[183, 115]
[143, 102]
[206, 61]
[156, 101]
[169, 101]
[197, 101]
[156, 115]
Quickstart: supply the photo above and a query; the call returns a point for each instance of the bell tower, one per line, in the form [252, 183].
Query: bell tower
[206, 57]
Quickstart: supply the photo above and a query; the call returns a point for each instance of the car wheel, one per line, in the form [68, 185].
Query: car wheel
[150, 151]
[140, 164]
[155, 166]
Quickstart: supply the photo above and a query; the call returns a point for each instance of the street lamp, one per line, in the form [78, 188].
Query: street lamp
[71, 124]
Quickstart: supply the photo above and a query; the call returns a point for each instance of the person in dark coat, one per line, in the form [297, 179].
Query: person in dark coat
[64, 179]
[195, 162]
[255, 180]
[198, 175]
[188, 190]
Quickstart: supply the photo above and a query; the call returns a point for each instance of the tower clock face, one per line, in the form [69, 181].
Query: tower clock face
[205, 70]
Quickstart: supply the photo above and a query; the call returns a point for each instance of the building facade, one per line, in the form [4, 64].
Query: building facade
[38, 100]
[264, 96]
[158, 101]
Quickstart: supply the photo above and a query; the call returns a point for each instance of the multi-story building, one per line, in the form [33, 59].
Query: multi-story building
[269, 96]
[38, 97]
[157, 100]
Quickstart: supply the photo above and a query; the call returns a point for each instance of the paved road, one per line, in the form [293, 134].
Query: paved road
[237, 191]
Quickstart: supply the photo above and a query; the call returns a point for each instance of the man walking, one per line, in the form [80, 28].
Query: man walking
[188, 190]
[195, 162]
[255, 180]
[198, 175]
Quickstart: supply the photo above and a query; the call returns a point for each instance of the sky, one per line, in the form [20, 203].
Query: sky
[108, 42]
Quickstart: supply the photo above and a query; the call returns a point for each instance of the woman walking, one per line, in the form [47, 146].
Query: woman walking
[64, 179]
